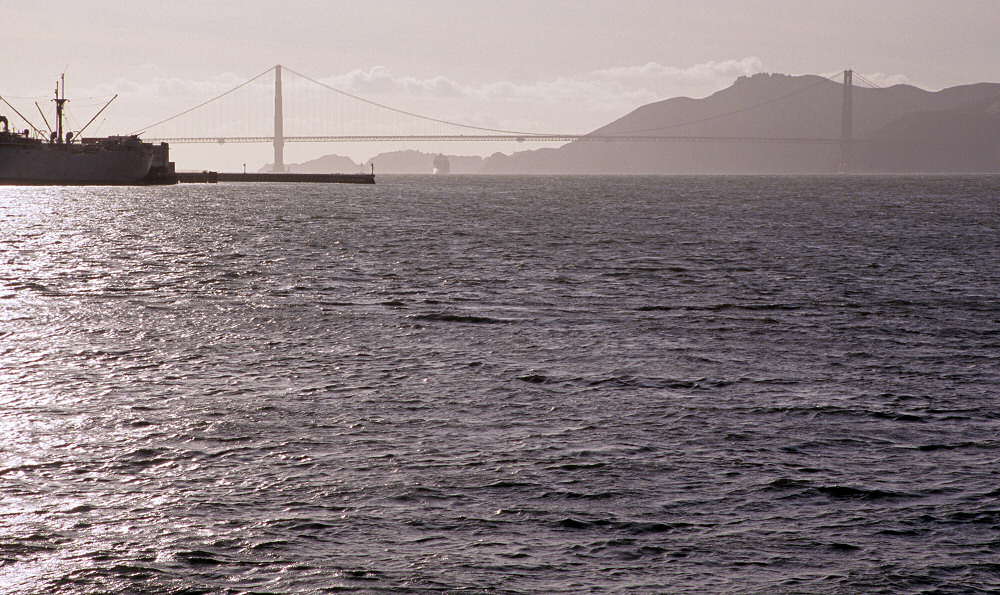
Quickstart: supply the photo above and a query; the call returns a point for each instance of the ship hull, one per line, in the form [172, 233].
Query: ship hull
[56, 165]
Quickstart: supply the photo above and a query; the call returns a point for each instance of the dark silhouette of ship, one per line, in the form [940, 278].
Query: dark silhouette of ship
[68, 159]
[442, 165]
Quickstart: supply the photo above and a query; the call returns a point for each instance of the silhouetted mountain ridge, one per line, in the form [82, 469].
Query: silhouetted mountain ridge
[784, 106]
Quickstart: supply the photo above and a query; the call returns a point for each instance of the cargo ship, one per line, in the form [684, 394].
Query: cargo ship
[68, 159]
[441, 165]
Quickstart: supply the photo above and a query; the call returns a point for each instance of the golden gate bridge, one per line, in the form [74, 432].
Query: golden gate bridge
[267, 105]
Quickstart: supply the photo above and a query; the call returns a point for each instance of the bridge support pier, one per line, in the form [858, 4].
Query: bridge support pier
[279, 124]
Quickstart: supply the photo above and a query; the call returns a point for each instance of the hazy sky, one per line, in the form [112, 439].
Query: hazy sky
[540, 65]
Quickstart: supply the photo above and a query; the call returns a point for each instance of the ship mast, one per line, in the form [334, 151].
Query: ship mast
[59, 109]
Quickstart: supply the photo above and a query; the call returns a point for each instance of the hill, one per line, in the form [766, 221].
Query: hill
[904, 129]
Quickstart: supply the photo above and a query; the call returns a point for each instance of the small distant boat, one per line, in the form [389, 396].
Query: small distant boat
[68, 159]
[442, 165]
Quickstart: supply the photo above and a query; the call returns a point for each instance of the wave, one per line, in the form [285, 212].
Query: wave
[626, 381]
[806, 489]
[463, 318]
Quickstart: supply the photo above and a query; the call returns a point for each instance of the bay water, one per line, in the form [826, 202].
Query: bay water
[761, 384]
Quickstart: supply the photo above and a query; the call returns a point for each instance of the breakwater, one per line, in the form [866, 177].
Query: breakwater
[211, 177]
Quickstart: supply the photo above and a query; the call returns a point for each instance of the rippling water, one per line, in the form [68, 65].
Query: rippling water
[508, 385]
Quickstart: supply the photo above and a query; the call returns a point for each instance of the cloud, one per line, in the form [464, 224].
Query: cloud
[716, 72]
[380, 82]
[169, 88]
[562, 91]
[609, 90]
[586, 100]
[888, 80]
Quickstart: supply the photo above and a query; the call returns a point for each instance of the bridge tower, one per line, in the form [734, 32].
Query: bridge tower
[847, 121]
[279, 124]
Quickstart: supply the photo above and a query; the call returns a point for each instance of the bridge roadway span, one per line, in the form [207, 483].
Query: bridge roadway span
[507, 137]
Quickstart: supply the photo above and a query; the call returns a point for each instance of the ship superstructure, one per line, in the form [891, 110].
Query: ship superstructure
[68, 159]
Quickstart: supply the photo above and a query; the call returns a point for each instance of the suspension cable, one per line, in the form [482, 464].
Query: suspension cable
[200, 105]
[406, 113]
